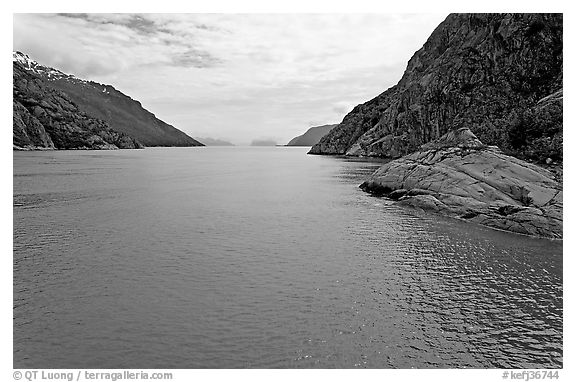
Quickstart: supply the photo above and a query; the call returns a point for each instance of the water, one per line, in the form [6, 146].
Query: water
[262, 258]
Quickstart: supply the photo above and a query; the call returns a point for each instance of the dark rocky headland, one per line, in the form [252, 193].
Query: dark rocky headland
[473, 127]
[54, 110]
[45, 118]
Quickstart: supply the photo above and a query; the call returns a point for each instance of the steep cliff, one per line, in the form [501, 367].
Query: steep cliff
[104, 102]
[486, 72]
[311, 136]
[45, 118]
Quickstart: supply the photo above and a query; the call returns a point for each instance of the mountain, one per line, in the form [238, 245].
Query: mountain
[500, 75]
[311, 136]
[45, 118]
[263, 142]
[213, 142]
[122, 113]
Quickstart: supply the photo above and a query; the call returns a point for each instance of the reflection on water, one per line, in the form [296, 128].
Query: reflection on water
[262, 257]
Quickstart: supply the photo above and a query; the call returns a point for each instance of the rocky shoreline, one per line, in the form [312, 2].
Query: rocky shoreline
[457, 175]
[474, 128]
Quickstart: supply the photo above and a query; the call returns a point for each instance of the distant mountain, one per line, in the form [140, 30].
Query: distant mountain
[312, 136]
[213, 142]
[122, 113]
[263, 142]
[46, 118]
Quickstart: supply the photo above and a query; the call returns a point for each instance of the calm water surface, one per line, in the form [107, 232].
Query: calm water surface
[262, 258]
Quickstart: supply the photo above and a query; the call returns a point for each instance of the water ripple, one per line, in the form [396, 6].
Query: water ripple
[267, 258]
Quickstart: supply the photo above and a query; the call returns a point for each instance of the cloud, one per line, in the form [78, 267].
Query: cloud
[137, 23]
[242, 76]
[342, 107]
[195, 58]
[101, 44]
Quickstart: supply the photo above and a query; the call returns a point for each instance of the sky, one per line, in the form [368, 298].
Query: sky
[237, 77]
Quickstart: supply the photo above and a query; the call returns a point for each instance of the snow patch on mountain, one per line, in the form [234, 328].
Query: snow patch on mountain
[49, 73]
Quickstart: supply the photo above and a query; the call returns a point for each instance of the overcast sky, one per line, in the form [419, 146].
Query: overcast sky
[234, 77]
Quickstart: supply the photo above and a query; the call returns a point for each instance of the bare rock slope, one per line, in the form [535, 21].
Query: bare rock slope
[45, 118]
[120, 112]
[458, 175]
[486, 72]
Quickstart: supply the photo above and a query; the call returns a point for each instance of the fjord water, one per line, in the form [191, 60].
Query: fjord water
[263, 258]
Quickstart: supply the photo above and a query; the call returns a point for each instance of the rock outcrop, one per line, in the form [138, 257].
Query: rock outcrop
[486, 72]
[122, 113]
[45, 118]
[458, 175]
[311, 136]
[28, 132]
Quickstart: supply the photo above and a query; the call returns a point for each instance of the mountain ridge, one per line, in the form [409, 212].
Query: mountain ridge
[482, 71]
[123, 113]
[46, 118]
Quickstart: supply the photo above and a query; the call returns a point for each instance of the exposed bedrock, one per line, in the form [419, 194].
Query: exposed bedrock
[458, 175]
